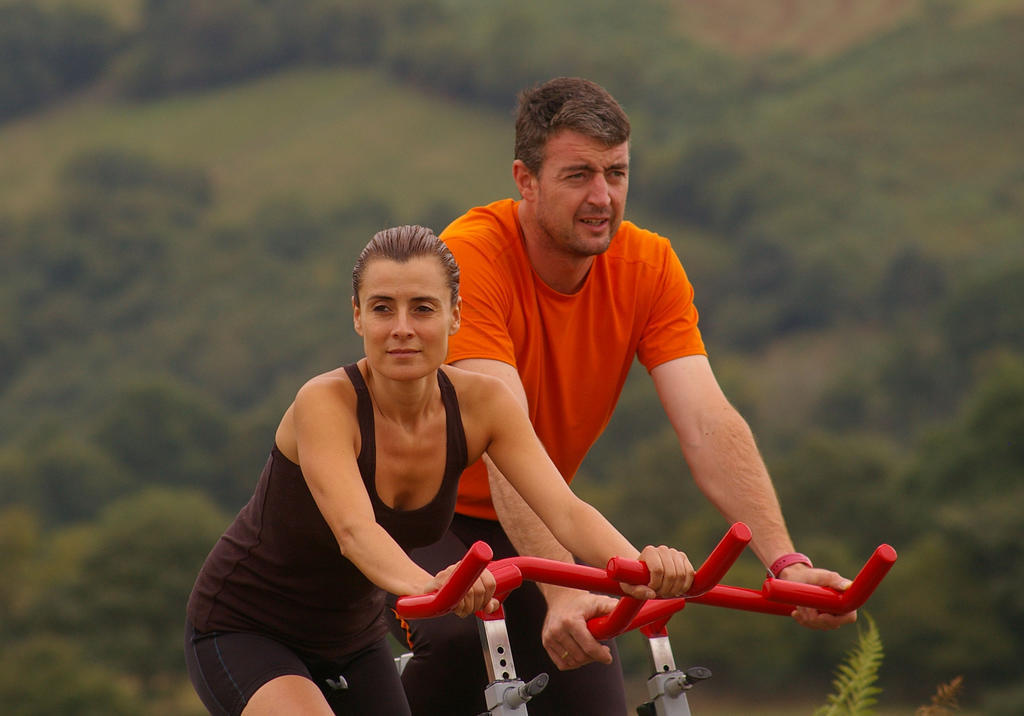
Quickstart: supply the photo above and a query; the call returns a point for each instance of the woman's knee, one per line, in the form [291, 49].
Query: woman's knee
[288, 694]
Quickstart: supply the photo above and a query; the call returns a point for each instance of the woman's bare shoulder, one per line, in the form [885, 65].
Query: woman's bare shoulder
[328, 395]
[333, 384]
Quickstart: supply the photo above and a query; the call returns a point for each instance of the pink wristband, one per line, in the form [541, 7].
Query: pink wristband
[786, 560]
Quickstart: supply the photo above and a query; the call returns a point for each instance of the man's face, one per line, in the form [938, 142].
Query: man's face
[579, 194]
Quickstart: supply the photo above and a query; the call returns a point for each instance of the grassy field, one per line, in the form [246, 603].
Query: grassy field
[327, 136]
[126, 13]
[812, 28]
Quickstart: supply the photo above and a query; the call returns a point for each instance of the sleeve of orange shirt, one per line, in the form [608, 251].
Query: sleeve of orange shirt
[487, 296]
[671, 330]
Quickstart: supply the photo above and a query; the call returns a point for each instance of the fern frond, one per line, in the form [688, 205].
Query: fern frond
[946, 699]
[855, 691]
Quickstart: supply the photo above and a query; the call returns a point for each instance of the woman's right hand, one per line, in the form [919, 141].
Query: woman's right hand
[479, 597]
[671, 574]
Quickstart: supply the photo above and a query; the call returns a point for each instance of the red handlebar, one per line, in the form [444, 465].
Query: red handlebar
[510, 572]
[444, 600]
[776, 596]
[710, 573]
[829, 600]
[578, 576]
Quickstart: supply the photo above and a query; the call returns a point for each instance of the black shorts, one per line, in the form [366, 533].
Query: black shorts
[227, 668]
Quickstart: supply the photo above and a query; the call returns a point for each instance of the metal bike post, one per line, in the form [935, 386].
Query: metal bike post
[668, 686]
[505, 692]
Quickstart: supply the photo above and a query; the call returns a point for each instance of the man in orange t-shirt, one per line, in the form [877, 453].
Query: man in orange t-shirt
[560, 295]
[572, 351]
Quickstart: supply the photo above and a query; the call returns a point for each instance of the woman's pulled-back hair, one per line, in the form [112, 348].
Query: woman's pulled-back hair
[566, 103]
[401, 243]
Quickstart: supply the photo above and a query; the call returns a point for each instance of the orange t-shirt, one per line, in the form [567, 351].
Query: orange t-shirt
[572, 351]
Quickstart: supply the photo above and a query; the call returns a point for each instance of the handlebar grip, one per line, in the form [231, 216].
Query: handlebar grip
[629, 571]
[421, 606]
[829, 600]
[624, 616]
[618, 620]
[722, 557]
[507, 576]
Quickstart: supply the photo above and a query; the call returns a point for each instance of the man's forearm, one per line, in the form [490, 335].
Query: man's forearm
[728, 469]
[528, 534]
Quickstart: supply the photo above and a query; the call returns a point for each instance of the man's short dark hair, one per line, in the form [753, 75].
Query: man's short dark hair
[566, 103]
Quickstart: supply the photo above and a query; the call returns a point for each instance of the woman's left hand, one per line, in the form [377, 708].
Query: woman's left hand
[671, 574]
[478, 597]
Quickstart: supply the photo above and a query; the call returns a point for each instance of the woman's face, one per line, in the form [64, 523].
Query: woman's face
[405, 316]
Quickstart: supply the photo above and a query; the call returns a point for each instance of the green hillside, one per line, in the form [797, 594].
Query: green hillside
[322, 136]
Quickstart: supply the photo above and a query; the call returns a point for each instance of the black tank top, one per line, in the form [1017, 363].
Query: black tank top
[277, 569]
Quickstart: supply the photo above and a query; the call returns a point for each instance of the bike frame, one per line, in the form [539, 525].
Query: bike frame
[507, 694]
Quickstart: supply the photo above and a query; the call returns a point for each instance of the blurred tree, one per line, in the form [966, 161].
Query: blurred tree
[188, 44]
[49, 675]
[108, 233]
[844, 489]
[115, 169]
[644, 488]
[329, 31]
[125, 601]
[48, 52]
[20, 537]
[61, 477]
[913, 282]
[288, 229]
[692, 184]
[986, 312]
[164, 432]
[963, 496]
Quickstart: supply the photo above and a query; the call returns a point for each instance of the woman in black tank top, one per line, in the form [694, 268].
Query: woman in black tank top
[287, 611]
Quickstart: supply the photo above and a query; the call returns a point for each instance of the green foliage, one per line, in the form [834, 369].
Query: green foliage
[47, 675]
[959, 511]
[982, 315]
[116, 171]
[638, 506]
[971, 473]
[981, 454]
[188, 44]
[125, 599]
[167, 434]
[862, 475]
[912, 282]
[48, 53]
[855, 692]
[20, 535]
[60, 477]
[112, 225]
